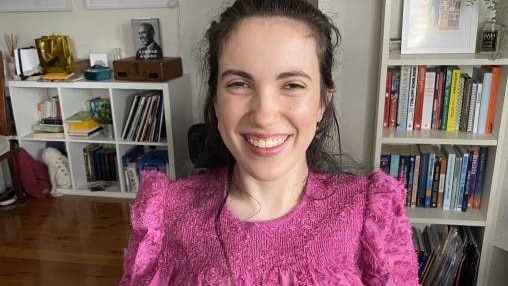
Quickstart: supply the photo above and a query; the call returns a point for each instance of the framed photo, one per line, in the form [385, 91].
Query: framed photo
[147, 38]
[35, 5]
[119, 4]
[439, 26]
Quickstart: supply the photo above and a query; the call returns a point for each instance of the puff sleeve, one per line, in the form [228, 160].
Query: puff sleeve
[148, 231]
[387, 252]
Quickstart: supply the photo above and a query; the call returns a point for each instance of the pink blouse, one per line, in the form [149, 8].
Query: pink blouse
[346, 230]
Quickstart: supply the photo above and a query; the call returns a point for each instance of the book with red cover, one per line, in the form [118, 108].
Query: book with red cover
[420, 90]
[388, 88]
[496, 74]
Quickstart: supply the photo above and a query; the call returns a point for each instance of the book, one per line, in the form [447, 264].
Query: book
[460, 99]
[129, 119]
[405, 78]
[472, 176]
[147, 38]
[388, 88]
[479, 91]
[384, 161]
[420, 93]
[450, 154]
[88, 133]
[464, 153]
[415, 152]
[428, 98]
[57, 76]
[466, 103]
[40, 127]
[496, 77]
[438, 98]
[482, 169]
[484, 107]
[454, 93]
[446, 98]
[394, 98]
[412, 98]
[472, 106]
[48, 135]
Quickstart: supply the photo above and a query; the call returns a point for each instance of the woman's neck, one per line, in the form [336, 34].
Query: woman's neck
[254, 200]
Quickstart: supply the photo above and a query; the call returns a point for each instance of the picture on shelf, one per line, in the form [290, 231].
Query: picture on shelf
[439, 26]
[147, 39]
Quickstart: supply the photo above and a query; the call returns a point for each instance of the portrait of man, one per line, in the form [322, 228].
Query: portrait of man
[146, 34]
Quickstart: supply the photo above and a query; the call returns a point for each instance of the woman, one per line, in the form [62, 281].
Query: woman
[275, 214]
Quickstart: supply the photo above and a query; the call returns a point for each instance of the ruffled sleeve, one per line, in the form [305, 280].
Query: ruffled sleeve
[387, 255]
[147, 233]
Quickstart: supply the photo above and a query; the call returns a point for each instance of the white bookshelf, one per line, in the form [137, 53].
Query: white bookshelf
[177, 115]
[490, 223]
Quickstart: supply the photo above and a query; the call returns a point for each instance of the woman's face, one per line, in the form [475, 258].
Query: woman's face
[268, 95]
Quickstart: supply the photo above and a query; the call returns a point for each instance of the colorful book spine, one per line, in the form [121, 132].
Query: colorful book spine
[482, 169]
[449, 151]
[388, 88]
[428, 98]
[460, 99]
[420, 93]
[416, 174]
[405, 74]
[446, 98]
[438, 98]
[394, 98]
[412, 98]
[484, 107]
[454, 92]
[496, 77]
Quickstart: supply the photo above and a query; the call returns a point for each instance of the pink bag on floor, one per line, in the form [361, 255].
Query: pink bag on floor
[34, 175]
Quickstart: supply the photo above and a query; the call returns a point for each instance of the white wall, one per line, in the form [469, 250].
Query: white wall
[183, 26]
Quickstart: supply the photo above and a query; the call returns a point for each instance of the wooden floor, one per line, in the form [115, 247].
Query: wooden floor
[63, 241]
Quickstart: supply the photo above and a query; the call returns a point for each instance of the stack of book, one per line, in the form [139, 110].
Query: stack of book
[82, 125]
[48, 128]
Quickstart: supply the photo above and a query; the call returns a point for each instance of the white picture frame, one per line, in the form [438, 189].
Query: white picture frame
[430, 26]
[35, 5]
[125, 4]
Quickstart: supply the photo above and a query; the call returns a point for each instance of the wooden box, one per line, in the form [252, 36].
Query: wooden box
[147, 70]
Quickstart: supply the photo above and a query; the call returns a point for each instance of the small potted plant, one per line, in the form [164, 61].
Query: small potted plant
[104, 117]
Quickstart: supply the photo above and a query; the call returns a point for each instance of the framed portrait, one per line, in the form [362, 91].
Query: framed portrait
[147, 38]
[439, 26]
[119, 4]
[35, 5]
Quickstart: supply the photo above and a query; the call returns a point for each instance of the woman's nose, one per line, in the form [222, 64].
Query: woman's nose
[265, 107]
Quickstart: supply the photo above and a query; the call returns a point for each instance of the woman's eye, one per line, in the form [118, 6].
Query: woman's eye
[238, 84]
[292, 86]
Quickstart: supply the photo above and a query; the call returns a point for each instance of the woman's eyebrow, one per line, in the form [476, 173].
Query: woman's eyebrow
[293, 74]
[240, 73]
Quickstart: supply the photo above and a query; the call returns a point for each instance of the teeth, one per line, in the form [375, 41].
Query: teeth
[267, 142]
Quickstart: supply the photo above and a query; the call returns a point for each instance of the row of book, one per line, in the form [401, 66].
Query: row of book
[447, 177]
[140, 158]
[447, 255]
[100, 163]
[441, 98]
[145, 120]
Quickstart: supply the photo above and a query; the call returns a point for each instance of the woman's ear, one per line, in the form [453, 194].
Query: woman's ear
[329, 99]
